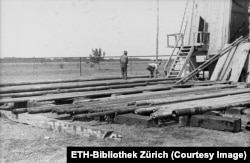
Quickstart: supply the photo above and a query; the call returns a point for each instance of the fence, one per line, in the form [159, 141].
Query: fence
[22, 69]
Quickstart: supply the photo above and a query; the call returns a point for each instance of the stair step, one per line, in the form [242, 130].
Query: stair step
[181, 56]
[187, 46]
[172, 75]
[175, 70]
[178, 64]
[178, 61]
[185, 50]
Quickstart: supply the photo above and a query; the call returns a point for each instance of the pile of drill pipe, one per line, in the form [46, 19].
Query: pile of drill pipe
[166, 110]
[130, 109]
[96, 88]
[39, 93]
[67, 81]
[119, 102]
[203, 109]
[191, 97]
[43, 87]
[86, 107]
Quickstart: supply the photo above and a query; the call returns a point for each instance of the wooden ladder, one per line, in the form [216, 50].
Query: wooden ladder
[181, 62]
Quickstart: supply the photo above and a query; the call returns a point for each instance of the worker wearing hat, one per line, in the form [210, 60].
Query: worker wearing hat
[124, 65]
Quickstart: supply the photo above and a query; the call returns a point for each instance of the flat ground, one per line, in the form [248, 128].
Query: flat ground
[24, 143]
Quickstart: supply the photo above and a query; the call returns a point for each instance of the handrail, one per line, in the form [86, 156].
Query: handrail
[177, 42]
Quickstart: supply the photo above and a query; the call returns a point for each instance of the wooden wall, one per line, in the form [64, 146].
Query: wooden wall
[221, 19]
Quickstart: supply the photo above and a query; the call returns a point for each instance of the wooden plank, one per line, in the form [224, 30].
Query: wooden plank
[216, 123]
[219, 66]
[42, 121]
[228, 65]
[211, 60]
[248, 69]
[239, 61]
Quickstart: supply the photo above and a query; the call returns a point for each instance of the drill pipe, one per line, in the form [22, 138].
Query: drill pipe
[38, 110]
[99, 114]
[147, 110]
[203, 109]
[66, 81]
[31, 88]
[142, 102]
[162, 114]
[19, 110]
[246, 111]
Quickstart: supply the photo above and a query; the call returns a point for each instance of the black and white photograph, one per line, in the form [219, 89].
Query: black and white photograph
[124, 79]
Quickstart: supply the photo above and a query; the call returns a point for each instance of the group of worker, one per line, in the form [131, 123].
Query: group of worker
[152, 67]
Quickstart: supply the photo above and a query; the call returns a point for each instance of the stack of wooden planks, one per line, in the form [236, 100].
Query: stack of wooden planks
[234, 65]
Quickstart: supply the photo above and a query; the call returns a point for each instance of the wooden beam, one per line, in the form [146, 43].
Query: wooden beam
[239, 61]
[219, 66]
[216, 123]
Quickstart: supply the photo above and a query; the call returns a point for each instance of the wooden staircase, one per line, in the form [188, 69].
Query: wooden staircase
[181, 61]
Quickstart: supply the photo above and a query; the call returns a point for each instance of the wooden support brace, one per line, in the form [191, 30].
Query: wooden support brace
[134, 119]
[216, 122]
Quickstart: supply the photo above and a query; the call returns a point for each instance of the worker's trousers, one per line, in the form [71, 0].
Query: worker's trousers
[124, 72]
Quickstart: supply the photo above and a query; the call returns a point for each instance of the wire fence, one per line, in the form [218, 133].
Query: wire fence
[22, 69]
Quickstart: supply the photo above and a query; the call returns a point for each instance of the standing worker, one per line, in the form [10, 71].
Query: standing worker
[124, 65]
[153, 69]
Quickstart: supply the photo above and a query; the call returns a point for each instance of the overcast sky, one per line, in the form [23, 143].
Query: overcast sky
[71, 28]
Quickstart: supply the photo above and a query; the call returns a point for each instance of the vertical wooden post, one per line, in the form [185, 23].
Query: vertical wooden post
[80, 66]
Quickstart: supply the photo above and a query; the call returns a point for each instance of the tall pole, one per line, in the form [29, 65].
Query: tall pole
[80, 66]
[157, 32]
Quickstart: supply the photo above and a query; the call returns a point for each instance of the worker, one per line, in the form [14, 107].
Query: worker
[124, 64]
[153, 69]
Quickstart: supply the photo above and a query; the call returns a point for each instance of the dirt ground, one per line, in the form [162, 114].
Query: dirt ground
[24, 143]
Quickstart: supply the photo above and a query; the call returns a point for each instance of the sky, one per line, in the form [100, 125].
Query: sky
[71, 28]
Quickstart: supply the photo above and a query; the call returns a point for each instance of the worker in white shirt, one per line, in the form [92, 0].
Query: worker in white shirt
[153, 69]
